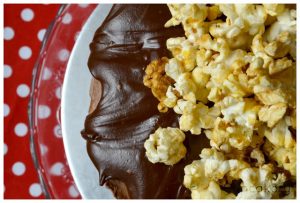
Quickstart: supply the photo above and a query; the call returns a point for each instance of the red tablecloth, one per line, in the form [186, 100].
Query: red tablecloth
[24, 27]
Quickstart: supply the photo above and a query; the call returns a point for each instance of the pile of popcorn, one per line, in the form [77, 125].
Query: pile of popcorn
[234, 81]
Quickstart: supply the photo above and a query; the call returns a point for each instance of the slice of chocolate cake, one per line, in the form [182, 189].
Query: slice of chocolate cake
[123, 111]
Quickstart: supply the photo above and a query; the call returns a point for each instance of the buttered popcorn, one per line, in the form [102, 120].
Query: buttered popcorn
[165, 146]
[234, 81]
[206, 176]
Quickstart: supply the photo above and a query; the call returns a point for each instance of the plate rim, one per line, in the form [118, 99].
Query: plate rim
[84, 32]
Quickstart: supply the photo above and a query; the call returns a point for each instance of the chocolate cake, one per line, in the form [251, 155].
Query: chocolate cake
[123, 112]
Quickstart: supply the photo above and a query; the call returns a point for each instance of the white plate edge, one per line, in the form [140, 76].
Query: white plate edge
[89, 23]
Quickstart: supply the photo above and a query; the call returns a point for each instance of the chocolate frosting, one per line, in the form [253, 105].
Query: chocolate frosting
[128, 40]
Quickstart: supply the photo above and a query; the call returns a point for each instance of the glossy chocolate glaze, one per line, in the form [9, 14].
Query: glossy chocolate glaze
[128, 40]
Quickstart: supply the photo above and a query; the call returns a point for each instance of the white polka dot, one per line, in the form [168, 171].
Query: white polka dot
[25, 52]
[41, 34]
[63, 54]
[58, 93]
[43, 149]
[35, 190]
[23, 90]
[5, 148]
[6, 110]
[7, 71]
[57, 169]
[57, 131]
[83, 5]
[46, 74]
[43, 112]
[9, 33]
[27, 14]
[21, 129]
[67, 18]
[73, 192]
[18, 168]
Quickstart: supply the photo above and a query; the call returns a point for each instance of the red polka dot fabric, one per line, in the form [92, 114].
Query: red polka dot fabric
[24, 29]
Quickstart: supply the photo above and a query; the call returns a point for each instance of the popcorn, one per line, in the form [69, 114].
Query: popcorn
[281, 47]
[274, 9]
[174, 68]
[235, 79]
[272, 114]
[200, 77]
[231, 135]
[258, 50]
[203, 57]
[258, 137]
[201, 176]
[181, 105]
[184, 51]
[215, 94]
[158, 81]
[171, 97]
[165, 146]
[182, 12]
[186, 87]
[213, 12]
[237, 85]
[259, 183]
[275, 49]
[286, 21]
[286, 158]
[271, 97]
[241, 41]
[279, 65]
[293, 118]
[197, 116]
[255, 67]
[213, 191]
[280, 135]
[217, 166]
[218, 45]
[242, 111]
[286, 82]
[195, 177]
[241, 18]
[192, 18]
[259, 156]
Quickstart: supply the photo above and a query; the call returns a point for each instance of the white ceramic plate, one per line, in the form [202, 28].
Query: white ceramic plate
[74, 108]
